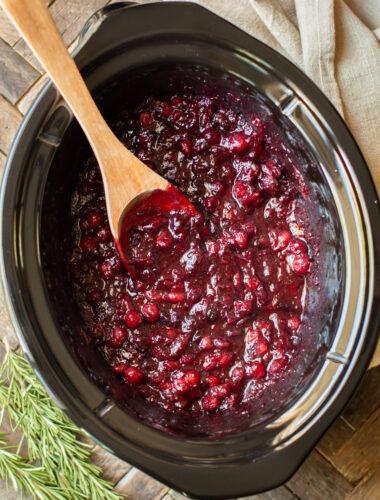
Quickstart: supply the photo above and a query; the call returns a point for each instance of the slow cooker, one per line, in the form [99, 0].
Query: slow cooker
[138, 43]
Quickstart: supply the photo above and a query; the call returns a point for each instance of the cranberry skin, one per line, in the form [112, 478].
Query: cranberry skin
[151, 312]
[212, 380]
[167, 110]
[211, 135]
[278, 364]
[118, 336]
[206, 344]
[241, 239]
[300, 264]
[106, 270]
[88, 244]
[180, 385]
[146, 119]
[185, 146]
[294, 323]
[133, 319]
[134, 375]
[103, 234]
[212, 247]
[192, 378]
[210, 402]
[283, 240]
[164, 239]
[297, 247]
[237, 142]
[256, 370]
[95, 219]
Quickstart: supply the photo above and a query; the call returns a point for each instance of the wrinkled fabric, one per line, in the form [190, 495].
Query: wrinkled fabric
[335, 42]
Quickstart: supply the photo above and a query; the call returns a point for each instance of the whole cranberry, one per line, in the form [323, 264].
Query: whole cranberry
[103, 234]
[133, 319]
[118, 336]
[106, 269]
[151, 312]
[95, 219]
[180, 385]
[300, 264]
[210, 402]
[297, 246]
[213, 380]
[206, 343]
[134, 375]
[192, 378]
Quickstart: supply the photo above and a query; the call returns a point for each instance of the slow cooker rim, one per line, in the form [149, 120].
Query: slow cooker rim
[7, 171]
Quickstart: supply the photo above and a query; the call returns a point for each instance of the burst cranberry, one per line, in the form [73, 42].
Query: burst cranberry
[185, 146]
[278, 364]
[236, 142]
[133, 319]
[281, 241]
[134, 375]
[241, 239]
[294, 323]
[167, 110]
[212, 247]
[118, 336]
[301, 264]
[211, 203]
[151, 312]
[256, 370]
[251, 282]
[163, 239]
[211, 135]
[170, 365]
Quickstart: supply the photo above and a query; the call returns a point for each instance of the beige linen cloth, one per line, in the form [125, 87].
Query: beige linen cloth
[336, 42]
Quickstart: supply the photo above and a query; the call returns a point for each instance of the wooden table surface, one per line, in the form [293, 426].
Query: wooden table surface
[346, 462]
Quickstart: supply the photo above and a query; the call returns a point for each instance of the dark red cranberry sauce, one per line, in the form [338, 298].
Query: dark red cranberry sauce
[210, 316]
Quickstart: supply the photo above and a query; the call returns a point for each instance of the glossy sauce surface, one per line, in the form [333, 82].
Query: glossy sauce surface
[209, 314]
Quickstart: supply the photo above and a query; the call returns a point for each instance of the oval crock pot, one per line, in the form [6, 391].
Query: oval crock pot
[125, 36]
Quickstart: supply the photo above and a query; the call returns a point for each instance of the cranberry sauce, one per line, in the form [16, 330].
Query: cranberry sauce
[210, 315]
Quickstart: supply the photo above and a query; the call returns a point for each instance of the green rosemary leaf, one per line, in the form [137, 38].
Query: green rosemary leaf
[64, 470]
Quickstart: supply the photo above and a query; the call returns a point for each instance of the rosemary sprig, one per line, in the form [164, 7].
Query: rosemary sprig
[25, 476]
[64, 470]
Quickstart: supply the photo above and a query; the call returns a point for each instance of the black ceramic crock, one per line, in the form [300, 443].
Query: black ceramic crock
[141, 39]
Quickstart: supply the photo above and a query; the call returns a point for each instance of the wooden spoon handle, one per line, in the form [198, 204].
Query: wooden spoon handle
[33, 20]
[116, 163]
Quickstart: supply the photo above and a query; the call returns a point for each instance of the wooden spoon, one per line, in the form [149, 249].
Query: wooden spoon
[125, 177]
